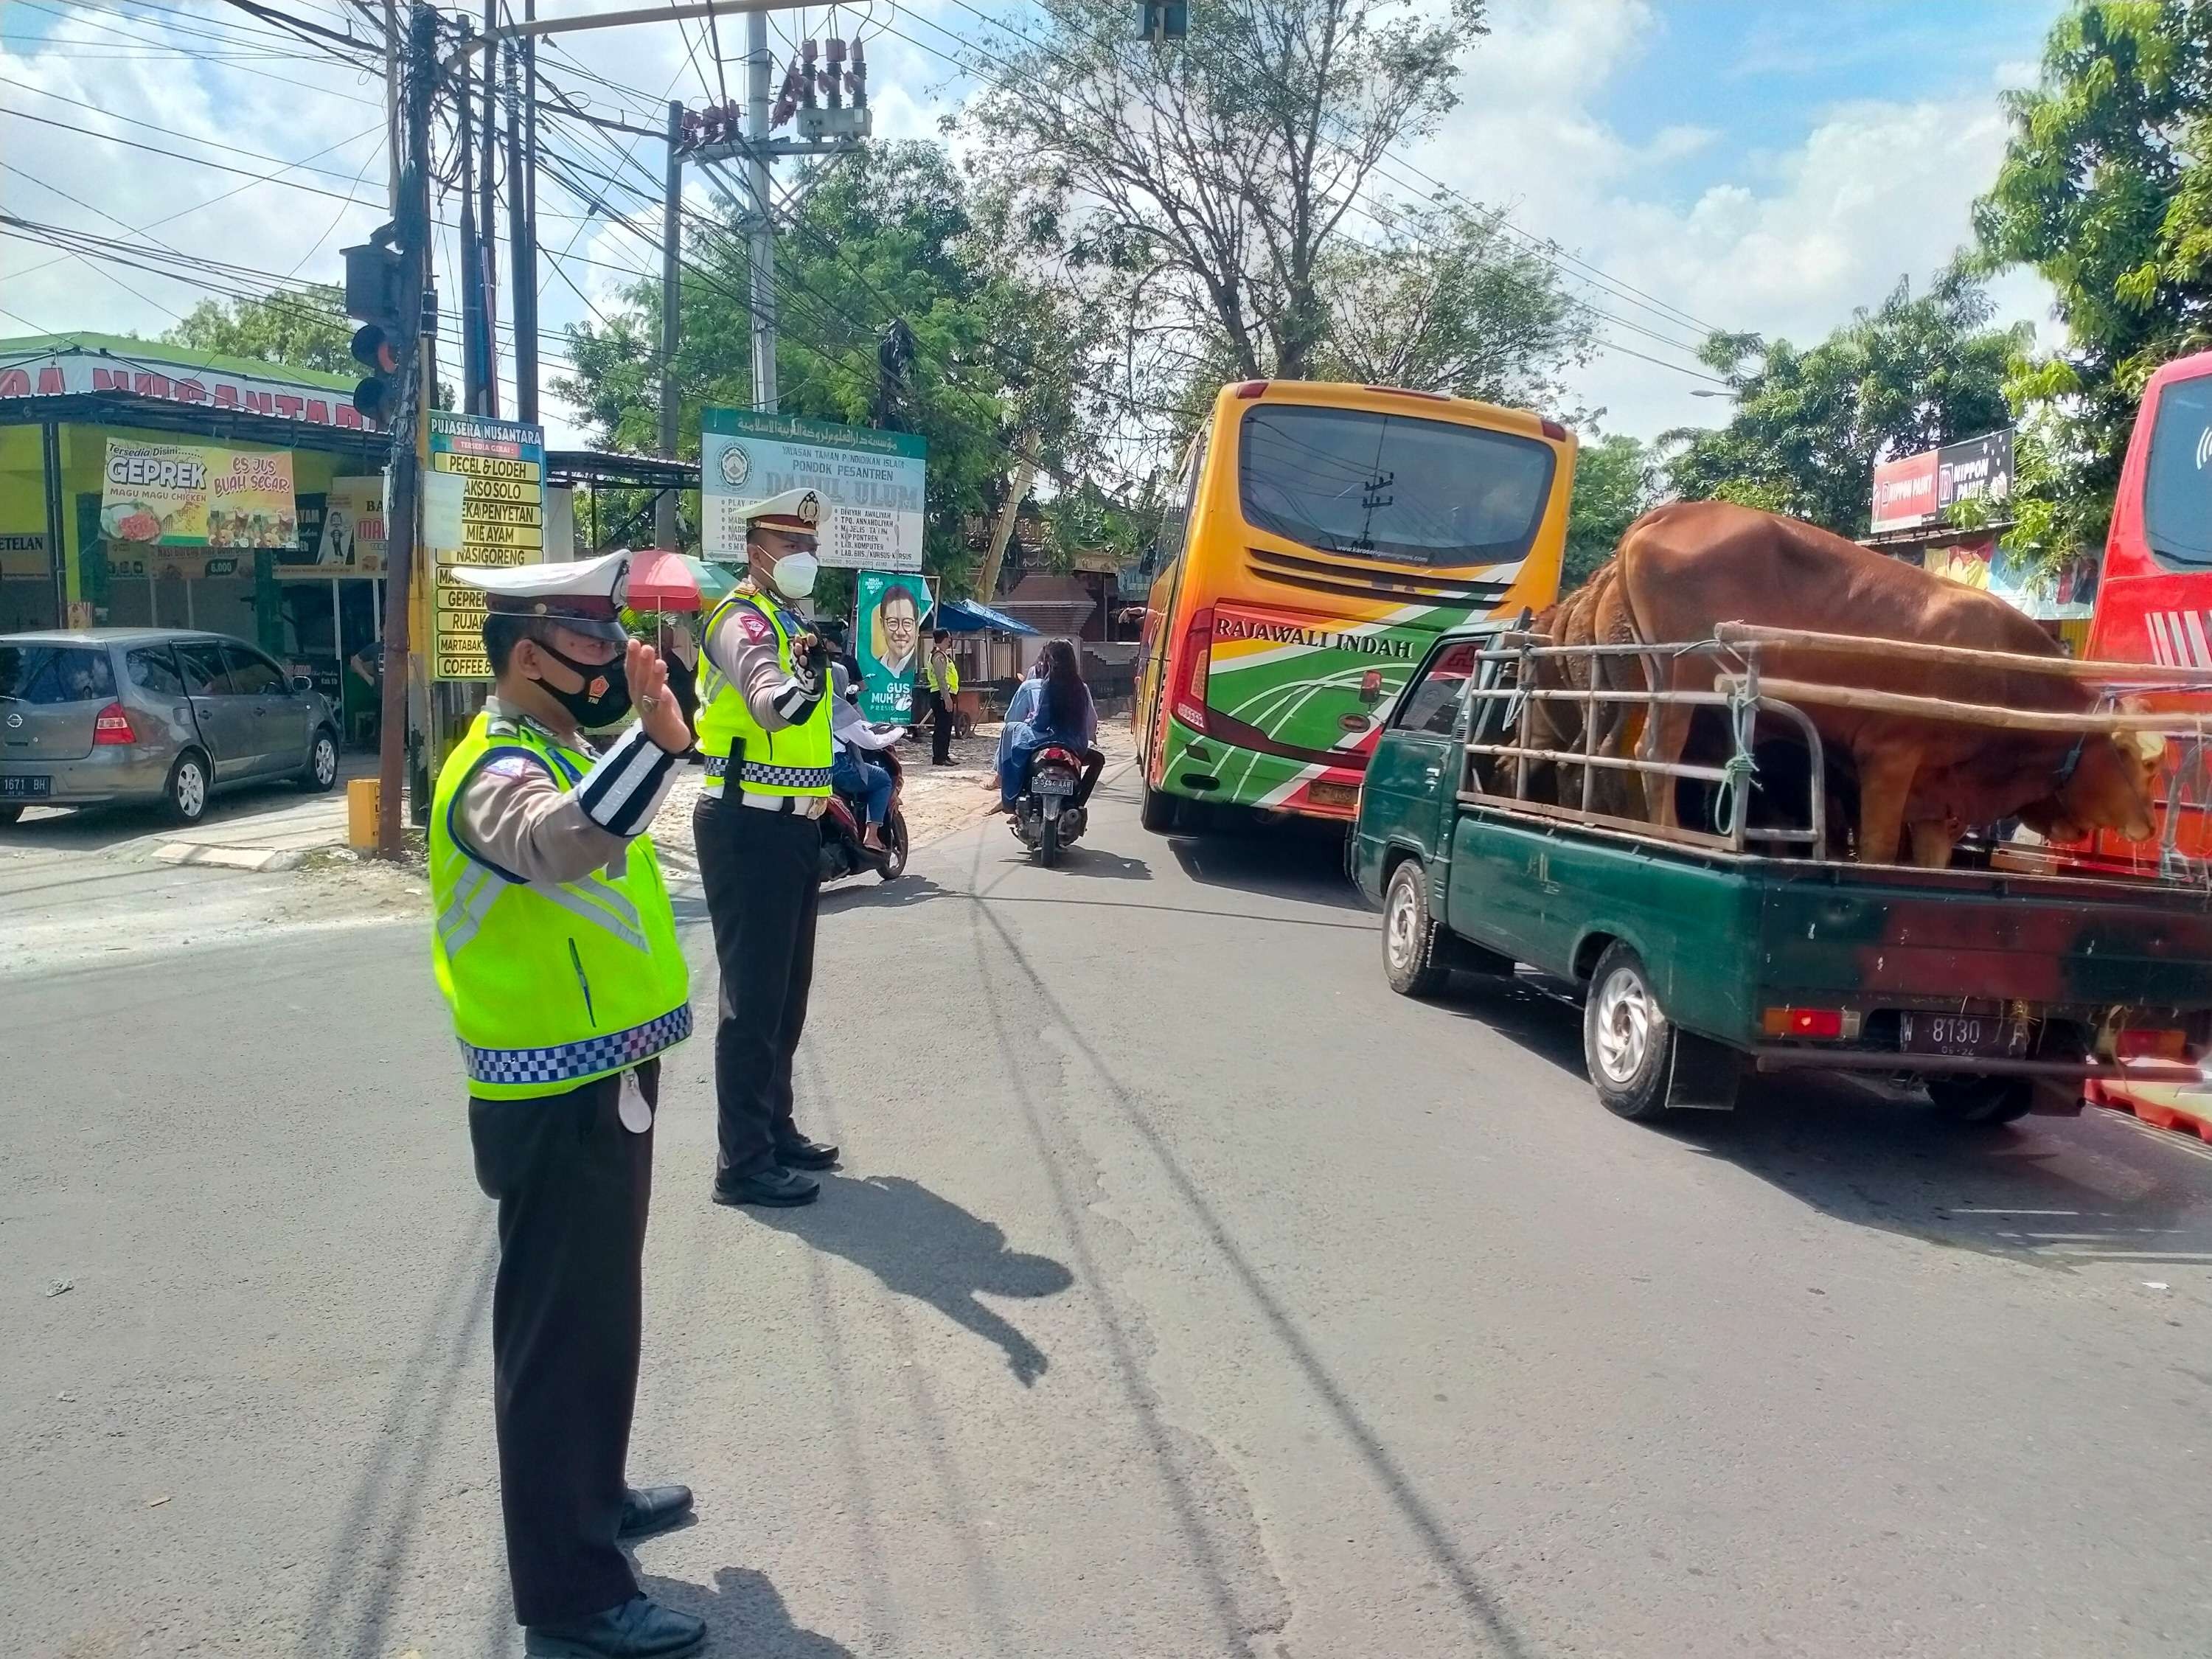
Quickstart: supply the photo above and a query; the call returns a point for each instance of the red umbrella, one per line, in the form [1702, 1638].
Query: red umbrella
[661, 581]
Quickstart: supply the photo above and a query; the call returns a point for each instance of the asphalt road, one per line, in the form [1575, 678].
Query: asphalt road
[1185, 1293]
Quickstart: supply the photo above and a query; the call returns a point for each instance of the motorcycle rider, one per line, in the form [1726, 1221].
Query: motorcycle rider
[852, 774]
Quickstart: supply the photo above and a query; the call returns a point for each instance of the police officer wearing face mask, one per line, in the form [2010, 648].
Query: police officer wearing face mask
[764, 718]
[556, 949]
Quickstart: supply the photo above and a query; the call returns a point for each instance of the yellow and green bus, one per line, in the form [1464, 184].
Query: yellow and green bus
[1319, 537]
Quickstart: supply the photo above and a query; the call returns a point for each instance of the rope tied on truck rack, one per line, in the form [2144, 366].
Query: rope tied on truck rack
[1739, 771]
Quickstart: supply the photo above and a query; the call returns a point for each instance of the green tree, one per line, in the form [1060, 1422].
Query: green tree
[305, 328]
[1808, 427]
[887, 233]
[1198, 192]
[2105, 190]
[1444, 303]
[1616, 481]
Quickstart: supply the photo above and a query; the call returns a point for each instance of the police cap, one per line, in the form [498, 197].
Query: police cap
[584, 597]
[795, 512]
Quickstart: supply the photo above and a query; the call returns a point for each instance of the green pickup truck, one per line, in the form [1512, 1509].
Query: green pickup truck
[1698, 957]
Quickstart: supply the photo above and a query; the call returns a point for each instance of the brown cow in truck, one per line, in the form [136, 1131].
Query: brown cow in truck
[1684, 569]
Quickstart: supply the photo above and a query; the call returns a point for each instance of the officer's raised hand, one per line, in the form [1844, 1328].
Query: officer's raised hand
[657, 709]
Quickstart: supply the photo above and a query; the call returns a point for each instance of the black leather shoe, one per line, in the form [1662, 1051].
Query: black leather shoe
[804, 1154]
[641, 1628]
[649, 1509]
[774, 1185]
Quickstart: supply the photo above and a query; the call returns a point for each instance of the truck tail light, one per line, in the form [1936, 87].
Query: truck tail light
[1824, 1023]
[112, 725]
[1197, 662]
[2141, 1043]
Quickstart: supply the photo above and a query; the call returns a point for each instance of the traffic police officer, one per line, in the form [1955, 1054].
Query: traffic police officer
[556, 949]
[764, 713]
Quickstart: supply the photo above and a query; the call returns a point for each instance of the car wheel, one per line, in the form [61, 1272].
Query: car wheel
[9, 815]
[1981, 1100]
[1410, 957]
[1628, 1042]
[322, 768]
[185, 794]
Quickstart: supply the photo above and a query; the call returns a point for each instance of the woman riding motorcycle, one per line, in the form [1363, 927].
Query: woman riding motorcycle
[1052, 706]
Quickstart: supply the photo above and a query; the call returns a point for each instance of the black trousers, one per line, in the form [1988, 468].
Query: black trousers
[763, 897]
[940, 729]
[572, 1186]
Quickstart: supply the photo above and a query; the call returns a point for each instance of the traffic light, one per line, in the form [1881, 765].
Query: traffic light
[375, 286]
[1161, 20]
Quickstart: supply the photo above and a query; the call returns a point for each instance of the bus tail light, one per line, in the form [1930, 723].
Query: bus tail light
[1197, 660]
[1554, 431]
[1250, 388]
[112, 725]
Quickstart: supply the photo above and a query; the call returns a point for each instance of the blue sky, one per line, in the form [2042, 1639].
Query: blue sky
[1760, 75]
[1762, 166]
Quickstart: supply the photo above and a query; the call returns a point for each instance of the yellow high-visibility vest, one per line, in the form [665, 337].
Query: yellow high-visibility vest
[551, 984]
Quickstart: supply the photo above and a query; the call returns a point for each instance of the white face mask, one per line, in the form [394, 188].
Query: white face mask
[794, 573]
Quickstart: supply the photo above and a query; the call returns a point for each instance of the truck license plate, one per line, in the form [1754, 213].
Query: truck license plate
[1961, 1034]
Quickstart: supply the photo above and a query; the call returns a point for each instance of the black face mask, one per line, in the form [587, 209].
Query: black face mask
[588, 711]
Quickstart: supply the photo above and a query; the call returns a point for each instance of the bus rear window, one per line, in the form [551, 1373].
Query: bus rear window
[2178, 488]
[1392, 486]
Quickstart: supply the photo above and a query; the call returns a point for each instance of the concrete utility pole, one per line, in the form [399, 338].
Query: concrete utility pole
[410, 421]
[760, 242]
[521, 247]
[487, 271]
[664, 527]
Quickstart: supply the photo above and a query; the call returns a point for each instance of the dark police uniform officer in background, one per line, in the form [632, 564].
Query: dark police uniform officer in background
[557, 950]
[764, 717]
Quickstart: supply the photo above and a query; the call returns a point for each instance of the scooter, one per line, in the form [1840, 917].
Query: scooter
[843, 854]
[1050, 811]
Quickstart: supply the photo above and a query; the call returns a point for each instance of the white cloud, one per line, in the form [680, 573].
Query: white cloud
[1790, 244]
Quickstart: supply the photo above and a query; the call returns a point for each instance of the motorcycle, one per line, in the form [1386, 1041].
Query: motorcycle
[841, 822]
[1050, 811]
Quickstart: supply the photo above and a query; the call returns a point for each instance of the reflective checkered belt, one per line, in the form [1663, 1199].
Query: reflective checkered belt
[788, 777]
[591, 1057]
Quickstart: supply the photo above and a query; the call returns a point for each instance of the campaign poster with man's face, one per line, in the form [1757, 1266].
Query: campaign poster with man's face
[894, 606]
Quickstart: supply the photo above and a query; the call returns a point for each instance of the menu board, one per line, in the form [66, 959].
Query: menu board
[484, 502]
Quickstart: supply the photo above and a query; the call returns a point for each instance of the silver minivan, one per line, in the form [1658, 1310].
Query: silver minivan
[97, 715]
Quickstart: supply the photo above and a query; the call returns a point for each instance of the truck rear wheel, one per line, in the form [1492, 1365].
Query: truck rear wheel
[1981, 1100]
[1628, 1042]
[1411, 959]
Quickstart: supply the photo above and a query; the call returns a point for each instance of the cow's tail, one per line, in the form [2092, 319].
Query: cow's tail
[1640, 635]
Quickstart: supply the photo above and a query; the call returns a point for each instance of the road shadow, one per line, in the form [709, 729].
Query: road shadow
[872, 892]
[2060, 1192]
[921, 1244]
[1296, 860]
[745, 1616]
[1083, 860]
